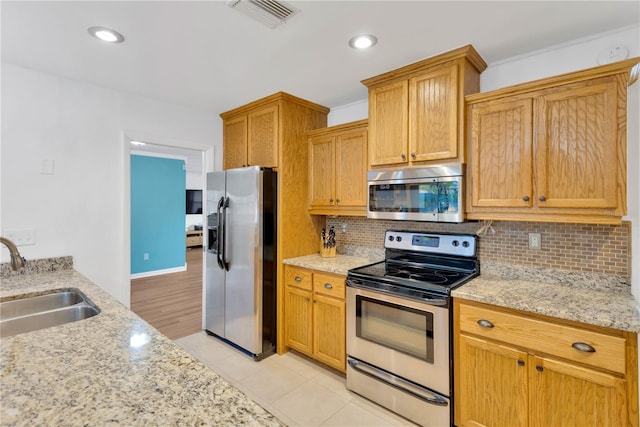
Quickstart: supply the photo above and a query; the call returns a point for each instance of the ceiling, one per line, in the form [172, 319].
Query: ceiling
[205, 55]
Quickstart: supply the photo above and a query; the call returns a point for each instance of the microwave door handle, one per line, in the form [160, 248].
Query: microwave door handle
[394, 381]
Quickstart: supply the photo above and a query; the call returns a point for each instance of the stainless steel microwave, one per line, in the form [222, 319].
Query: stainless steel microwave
[418, 194]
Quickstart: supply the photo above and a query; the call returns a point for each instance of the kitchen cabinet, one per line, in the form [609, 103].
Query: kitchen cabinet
[315, 319]
[193, 238]
[338, 170]
[417, 114]
[551, 150]
[274, 132]
[519, 369]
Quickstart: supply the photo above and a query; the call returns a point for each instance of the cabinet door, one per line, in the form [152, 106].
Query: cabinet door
[493, 388]
[235, 142]
[433, 115]
[329, 335]
[351, 169]
[263, 137]
[321, 171]
[388, 124]
[568, 395]
[298, 319]
[501, 156]
[577, 146]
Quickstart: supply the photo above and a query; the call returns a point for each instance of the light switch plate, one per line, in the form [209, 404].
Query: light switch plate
[22, 237]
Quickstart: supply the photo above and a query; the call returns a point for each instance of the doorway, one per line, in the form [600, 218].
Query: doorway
[171, 301]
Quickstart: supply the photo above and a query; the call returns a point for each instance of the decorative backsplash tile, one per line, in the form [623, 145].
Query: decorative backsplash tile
[603, 249]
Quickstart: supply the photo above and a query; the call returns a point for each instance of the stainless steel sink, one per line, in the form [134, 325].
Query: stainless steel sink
[43, 311]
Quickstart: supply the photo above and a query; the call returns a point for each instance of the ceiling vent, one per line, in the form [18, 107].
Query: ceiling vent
[268, 12]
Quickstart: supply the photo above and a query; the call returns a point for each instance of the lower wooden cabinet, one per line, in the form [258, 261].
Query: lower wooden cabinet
[515, 369]
[315, 315]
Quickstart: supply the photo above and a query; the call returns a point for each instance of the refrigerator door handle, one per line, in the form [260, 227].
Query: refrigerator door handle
[220, 234]
[223, 254]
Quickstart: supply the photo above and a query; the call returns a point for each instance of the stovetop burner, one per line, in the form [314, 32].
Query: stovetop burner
[420, 263]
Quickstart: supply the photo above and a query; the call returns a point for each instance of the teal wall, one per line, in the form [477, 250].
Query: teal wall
[157, 213]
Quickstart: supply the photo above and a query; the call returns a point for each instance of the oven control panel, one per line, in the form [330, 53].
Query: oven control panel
[444, 244]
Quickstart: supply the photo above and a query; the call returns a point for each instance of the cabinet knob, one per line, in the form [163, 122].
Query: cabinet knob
[337, 200]
[298, 279]
[542, 198]
[520, 362]
[331, 200]
[583, 346]
[413, 155]
[539, 368]
[328, 286]
[525, 198]
[404, 156]
[306, 299]
[485, 323]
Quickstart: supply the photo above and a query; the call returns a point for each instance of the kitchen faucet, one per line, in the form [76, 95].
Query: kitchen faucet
[17, 262]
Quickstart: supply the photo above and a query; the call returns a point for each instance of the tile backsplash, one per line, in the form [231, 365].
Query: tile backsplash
[604, 249]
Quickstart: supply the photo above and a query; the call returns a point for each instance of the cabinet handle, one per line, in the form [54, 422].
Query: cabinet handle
[539, 368]
[298, 279]
[328, 286]
[413, 155]
[520, 362]
[542, 198]
[404, 156]
[525, 198]
[583, 346]
[485, 323]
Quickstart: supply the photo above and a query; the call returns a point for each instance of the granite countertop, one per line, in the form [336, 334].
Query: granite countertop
[110, 369]
[593, 299]
[338, 265]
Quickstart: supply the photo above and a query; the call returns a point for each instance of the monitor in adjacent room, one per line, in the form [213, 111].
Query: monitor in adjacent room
[194, 202]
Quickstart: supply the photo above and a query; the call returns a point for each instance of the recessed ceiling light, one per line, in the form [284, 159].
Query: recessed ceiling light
[137, 143]
[363, 41]
[106, 34]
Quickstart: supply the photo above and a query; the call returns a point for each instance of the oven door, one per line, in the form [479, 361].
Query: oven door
[407, 338]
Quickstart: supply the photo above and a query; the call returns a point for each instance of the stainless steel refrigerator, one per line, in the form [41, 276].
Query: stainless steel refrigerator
[240, 291]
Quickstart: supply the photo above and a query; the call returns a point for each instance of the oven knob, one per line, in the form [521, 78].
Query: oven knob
[399, 238]
[455, 243]
[391, 238]
[465, 244]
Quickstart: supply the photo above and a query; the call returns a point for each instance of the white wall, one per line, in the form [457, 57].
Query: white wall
[82, 209]
[568, 57]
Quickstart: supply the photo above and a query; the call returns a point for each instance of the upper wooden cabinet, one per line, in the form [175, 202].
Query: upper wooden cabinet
[417, 114]
[338, 170]
[551, 150]
[252, 134]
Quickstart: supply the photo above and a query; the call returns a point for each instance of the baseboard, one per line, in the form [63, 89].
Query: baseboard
[158, 272]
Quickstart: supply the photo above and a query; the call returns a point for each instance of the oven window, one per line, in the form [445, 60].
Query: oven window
[404, 329]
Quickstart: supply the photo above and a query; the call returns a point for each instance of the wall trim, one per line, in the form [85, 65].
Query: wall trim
[158, 272]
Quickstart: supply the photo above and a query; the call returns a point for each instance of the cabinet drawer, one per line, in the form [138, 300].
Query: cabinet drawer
[298, 277]
[541, 336]
[328, 284]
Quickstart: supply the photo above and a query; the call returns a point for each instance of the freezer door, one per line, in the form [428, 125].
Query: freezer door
[243, 252]
[215, 276]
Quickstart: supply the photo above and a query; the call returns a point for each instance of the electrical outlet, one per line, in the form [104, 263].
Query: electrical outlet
[22, 237]
[534, 241]
[146, 257]
[344, 227]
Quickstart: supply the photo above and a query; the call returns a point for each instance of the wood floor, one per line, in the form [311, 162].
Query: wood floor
[172, 303]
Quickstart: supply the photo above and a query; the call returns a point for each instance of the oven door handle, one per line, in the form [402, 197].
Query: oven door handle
[399, 383]
[441, 302]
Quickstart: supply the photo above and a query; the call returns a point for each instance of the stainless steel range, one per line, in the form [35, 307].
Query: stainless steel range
[399, 323]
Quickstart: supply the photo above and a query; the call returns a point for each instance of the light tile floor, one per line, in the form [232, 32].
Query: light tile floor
[296, 390]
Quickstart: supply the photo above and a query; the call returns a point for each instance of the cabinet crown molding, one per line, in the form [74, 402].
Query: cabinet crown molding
[278, 96]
